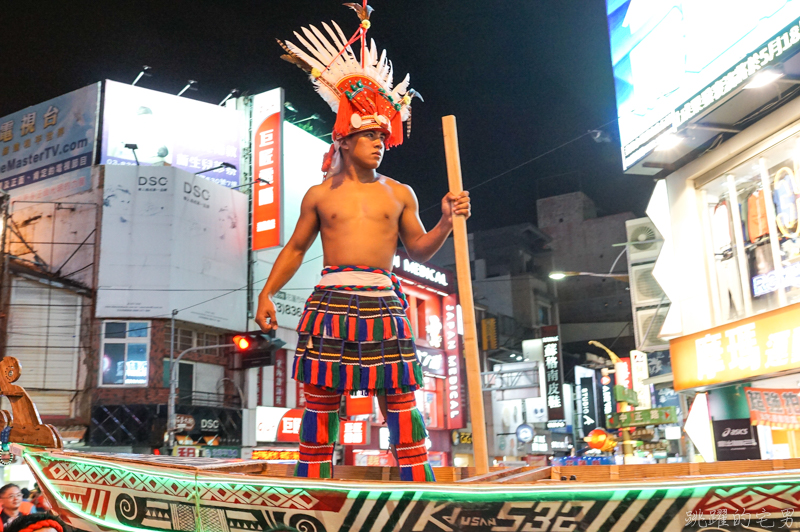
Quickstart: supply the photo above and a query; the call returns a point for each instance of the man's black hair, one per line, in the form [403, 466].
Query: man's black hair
[24, 521]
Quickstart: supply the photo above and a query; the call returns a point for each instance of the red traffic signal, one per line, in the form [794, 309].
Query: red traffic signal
[242, 343]
[255, 349]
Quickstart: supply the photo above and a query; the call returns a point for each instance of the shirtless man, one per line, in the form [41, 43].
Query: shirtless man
[354, 336]
[360, 215]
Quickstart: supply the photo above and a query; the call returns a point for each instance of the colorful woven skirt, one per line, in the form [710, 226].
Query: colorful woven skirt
[354, 343]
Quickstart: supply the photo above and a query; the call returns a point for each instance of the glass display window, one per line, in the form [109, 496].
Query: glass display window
[750, 218]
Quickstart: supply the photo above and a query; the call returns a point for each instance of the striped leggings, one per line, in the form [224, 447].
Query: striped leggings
[320, 431]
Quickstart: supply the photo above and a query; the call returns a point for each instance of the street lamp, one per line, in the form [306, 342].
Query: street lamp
[557, 276]
[173, 384]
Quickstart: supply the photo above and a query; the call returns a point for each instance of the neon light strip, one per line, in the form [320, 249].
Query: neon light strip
[443, 489]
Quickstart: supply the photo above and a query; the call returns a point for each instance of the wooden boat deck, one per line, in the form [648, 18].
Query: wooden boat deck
[466, 475]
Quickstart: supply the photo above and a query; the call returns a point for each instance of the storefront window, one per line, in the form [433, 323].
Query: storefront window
[751, 227]
[125, 350]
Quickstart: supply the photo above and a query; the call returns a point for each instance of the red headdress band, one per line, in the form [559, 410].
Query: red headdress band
[46, 523]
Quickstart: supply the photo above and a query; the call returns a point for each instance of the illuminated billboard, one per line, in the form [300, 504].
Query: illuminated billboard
[187, 134]
[673, 59]
[53, 141]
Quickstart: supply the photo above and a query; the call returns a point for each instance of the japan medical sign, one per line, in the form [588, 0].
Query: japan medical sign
[49, 140]
[779, 408]
[267, 155]
[169, 130]
[746, 349]
[452, 348]
[554, 373]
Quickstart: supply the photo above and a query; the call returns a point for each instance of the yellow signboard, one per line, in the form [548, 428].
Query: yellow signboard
[753, 347]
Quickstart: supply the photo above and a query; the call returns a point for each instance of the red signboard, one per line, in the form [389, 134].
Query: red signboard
[267, 156]
[289, 427]
[779, 408]
[353, 433]
[452, 349]
[280, 378]
[358, 406]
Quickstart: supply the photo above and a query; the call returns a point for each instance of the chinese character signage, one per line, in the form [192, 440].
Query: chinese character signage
[777, 408]
[452, 349]
[643, 418]
[640, 372]
[736, 439]
[180, 132]
[353, 433]
[763, 345]
[276, 455]
[280, 378]
[54, 139]
[607, 391]
[275, 424]
[267, 169]
[553, 367]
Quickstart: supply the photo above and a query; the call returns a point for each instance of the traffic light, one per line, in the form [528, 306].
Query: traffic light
[601, 440]
[255, 349]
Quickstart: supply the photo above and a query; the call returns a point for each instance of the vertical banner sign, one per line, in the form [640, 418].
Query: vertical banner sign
[267, 155]
[589, 418]
[280, 378]
[640, 372]
[300, 399]
[452, 348]
[553, 373]
[607, 388]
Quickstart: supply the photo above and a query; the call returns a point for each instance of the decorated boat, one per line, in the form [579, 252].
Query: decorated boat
[121, 492]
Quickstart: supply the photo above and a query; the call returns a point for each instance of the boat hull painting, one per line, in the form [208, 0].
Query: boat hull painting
[95, 495]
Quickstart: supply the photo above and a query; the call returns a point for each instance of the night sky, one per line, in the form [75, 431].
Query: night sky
[521, 76]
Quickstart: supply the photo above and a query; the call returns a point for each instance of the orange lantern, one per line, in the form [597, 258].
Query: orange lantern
[601, 440]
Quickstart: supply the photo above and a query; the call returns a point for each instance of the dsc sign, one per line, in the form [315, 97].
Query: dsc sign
[267, 155]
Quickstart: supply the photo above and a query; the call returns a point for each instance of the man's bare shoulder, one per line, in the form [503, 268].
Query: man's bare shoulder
[315, 192]
[401, 190]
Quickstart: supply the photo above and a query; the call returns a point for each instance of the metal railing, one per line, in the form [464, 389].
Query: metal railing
[219, 400]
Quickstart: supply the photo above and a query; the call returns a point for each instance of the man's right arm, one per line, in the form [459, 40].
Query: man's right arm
[289, 260]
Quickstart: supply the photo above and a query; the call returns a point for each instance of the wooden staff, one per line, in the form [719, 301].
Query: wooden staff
[465, 292]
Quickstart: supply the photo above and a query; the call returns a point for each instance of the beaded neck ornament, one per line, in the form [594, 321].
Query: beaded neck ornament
[360, 92]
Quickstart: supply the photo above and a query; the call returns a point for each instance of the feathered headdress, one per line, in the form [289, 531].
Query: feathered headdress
[360, 92]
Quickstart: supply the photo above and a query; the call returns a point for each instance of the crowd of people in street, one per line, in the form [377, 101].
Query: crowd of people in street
[24, 510]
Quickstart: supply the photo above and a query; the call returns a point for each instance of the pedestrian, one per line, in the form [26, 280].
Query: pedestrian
[37, 523]
[11, 502]
[354, 335]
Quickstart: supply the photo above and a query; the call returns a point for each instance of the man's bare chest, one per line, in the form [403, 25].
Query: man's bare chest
[376, 207]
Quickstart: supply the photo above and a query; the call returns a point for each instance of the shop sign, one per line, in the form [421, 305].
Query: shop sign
[434, 277]
[461, 438]
[267, 155]
[222, 452]
[455, 402]
[557, 424]
[553, 372]
[639, 372]
[279, 389]
[184, 423]
[659, 363]
[353, 433]
[623, 373]
[186, 451]
[300, 396]
[763, 345]
[540, 443]
[736, 439]
[588, 405]
[625, 395]
[282, 455]
[209, 425]
[643, 418]
[668, 397]
[434, 330]
[773, 281]
[432, 361]
[643, 434]
[561, 442]
[778, 408]
[357, 405]
[607, 390]
[525, 433]
[278, 424]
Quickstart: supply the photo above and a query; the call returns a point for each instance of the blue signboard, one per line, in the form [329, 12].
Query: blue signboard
[659, 363]
[674, 58]
[52, 139]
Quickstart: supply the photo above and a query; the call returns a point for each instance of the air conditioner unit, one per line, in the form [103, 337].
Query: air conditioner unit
[648, 327]
[644, 240]
[645, 290]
